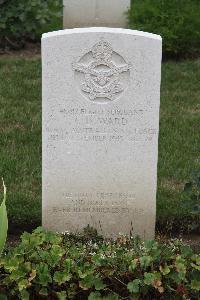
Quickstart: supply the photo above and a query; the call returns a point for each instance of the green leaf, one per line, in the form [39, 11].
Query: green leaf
[12, 263]
[23, 284]
[97, 296]
[180, 265]
[145, 261]
[195, 285]
[196, 267]
[57, 250]
[134, 286]
[3, 221]
[89, 281]
[110, 297]
[149, 278]
[43, 274]
[18, 274]
[62, 295]
[61, 277]
[150, 244]
[94, 296]
[196, 258]
[133, 265]
[165, 270]
[68, 264]
[24, 295]
[174, 276]
[99, 285]
[186, 251]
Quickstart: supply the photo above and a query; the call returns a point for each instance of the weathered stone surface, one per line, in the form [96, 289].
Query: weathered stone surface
[87, 13]
[101, 93]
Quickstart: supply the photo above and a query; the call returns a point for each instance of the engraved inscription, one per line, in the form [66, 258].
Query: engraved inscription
[102, 73]
[100, 125]
[100, 202]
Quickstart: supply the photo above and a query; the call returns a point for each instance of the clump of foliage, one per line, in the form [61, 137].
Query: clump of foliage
[176, 21]
[46, 265]
[23, 20]
[191, 200]
[3, 221]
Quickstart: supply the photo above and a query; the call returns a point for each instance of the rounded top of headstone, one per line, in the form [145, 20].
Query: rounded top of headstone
[102, 29]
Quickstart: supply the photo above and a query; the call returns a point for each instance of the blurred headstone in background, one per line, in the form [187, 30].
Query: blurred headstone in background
[87, 13]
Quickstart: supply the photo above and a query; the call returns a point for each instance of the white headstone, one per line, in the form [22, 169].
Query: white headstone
[101, 94]
[87, 13]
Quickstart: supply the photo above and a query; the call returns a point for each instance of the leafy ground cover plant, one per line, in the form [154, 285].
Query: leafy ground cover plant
[52, 266]
[3, 221]
[176, 21]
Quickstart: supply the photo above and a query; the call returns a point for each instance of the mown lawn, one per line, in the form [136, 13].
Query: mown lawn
[20, 139]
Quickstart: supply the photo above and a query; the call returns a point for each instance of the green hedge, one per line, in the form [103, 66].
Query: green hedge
[51, 266]
[22, 20]
[177, 21]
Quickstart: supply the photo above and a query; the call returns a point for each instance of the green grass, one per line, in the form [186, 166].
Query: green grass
[179, 140]
[20, 139]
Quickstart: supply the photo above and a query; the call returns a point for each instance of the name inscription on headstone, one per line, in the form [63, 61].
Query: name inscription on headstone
[102, 125]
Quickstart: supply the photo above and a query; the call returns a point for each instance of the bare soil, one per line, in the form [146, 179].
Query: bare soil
[31, 50]
[192, 240]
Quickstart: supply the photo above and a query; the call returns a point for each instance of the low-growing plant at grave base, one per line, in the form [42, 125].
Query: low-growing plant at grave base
[177, 21]
[3, 221]
[24, 20]
[46, 265]
[191, 199]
